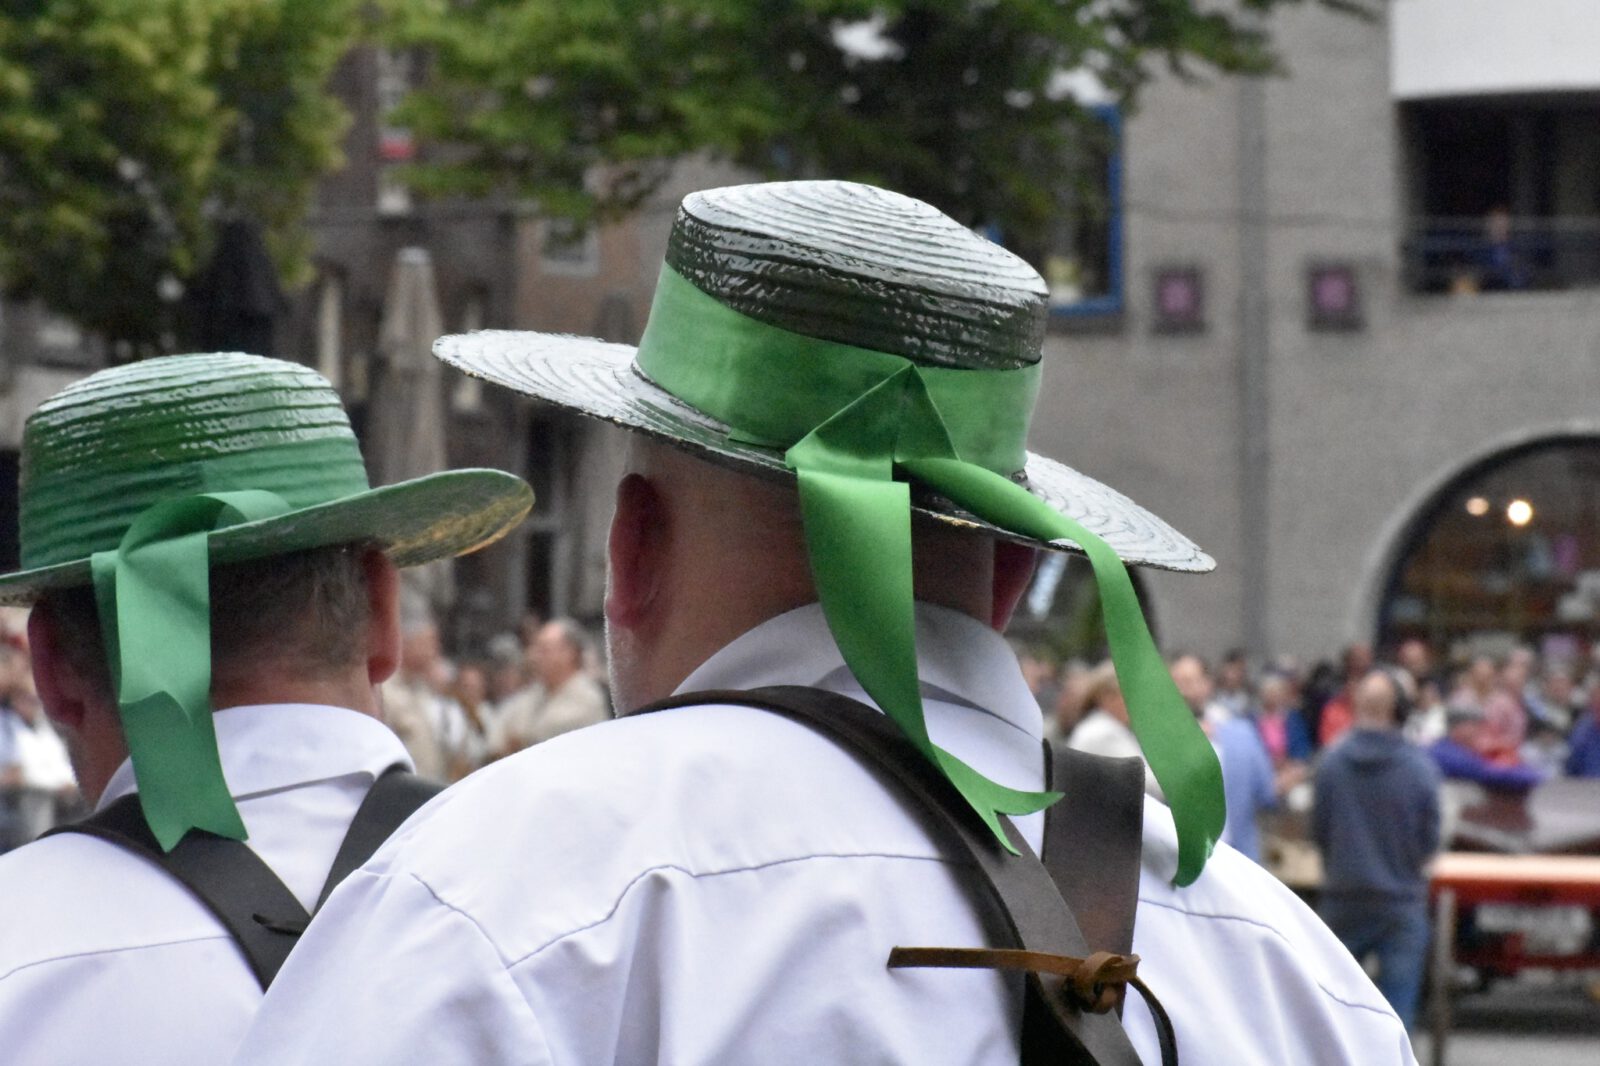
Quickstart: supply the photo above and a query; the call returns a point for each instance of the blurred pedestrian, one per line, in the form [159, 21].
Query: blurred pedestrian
[1233, 684]
[1104, 729]
[409, 695]
[1460, 754]
[1339, 712]
[1583, 755]
[1283, 728]
[1375, 818]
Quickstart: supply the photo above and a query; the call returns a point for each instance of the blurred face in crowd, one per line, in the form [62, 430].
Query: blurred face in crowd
[1231, 677]
[507, 678]
[1481, 674]
[1277, 695]
[472, 685]
[1558, 688]
[1035, 671]
[555, 657]
[1514, 676]
[419, 650]
[1415, 659]
[1193, 681]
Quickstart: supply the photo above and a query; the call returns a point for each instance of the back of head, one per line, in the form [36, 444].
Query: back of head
[1377, 700]
[297, 616]
[198, 528]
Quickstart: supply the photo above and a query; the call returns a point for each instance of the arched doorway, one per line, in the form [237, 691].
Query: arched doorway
[1506, 552]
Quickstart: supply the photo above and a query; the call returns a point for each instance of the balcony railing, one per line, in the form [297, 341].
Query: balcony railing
[1468, 255]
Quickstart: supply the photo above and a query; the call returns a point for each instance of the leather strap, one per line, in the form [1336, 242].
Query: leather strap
[1037, 918]
[390, 801]
[261, 915]
[259, 912]
[1092, 840]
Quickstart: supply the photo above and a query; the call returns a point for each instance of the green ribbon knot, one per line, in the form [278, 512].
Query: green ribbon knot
[857, 423]
[153, 596]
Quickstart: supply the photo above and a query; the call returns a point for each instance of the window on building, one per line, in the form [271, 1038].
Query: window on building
[1507, 554]
[1082, 259]
[568, 251]
[1503, 194]
[549, 540]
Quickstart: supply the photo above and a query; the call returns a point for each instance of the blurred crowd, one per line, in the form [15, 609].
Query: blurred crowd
[453, 715]
[37, 789]
[1506, 722]
[457, 715]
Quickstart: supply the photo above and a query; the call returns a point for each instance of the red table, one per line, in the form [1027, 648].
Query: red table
[1467, 879]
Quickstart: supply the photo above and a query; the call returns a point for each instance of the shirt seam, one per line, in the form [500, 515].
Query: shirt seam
[112, 951]
[667, 866]
[1325, 990]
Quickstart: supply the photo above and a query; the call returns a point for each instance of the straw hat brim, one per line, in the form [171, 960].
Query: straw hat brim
[414, 522]
[599, 380]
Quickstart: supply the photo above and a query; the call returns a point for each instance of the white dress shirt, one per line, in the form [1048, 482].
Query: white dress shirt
[105, 958]
[718, 884]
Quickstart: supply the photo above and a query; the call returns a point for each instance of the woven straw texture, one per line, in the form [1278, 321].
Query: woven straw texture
[100, 452]
[846, 263]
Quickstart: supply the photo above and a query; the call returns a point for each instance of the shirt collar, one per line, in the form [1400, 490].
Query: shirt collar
[269, 747]
[959, 660]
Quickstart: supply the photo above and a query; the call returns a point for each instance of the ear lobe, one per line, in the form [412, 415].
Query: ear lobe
[383, 616]
[1013, 569]
[61, 691]
[634, 552]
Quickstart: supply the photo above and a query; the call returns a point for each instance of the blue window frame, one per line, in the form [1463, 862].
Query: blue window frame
[1084, 264]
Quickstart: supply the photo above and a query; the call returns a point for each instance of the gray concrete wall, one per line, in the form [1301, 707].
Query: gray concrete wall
[1363, 425]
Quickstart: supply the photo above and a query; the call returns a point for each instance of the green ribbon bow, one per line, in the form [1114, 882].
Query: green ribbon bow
[854, 423]
[153, 596]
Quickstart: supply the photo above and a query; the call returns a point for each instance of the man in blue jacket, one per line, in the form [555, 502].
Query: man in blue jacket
[1376, 819]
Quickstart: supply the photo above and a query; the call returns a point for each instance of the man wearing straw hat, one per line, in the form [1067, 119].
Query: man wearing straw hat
[198, 535]
[828, 488]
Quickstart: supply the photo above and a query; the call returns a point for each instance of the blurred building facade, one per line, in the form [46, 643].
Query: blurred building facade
[1335, 325]
[1354, 325]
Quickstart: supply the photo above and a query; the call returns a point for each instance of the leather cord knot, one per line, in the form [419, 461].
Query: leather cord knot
[1096, 984]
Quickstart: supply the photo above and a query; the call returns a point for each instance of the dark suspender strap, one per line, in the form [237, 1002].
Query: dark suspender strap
[390, 801]
[259, 912]
[1035, 914]
[1092, 842]
[261, 915]
[1092, 838]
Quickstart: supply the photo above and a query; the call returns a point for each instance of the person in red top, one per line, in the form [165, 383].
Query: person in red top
[1338, 714]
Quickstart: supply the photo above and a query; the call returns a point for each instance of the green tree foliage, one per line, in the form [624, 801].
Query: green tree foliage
[582, 104]
[128, 127]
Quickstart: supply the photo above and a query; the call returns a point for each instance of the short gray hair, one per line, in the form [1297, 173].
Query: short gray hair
[308, 607]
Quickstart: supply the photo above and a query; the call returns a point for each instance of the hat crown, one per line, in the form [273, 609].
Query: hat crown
[100, 452]
[863, 266]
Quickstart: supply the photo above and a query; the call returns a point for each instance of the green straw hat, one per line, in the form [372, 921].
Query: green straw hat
[139, 478]
[103, 450]
[888, 359]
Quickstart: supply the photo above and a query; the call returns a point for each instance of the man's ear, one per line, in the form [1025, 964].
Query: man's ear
[62, 692]
[1013, 569]
[635, 552]
[383, 615]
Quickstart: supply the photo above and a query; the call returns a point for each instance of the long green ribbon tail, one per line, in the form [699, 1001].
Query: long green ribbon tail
[153, 597]
[858, 531]
[1173, 743]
